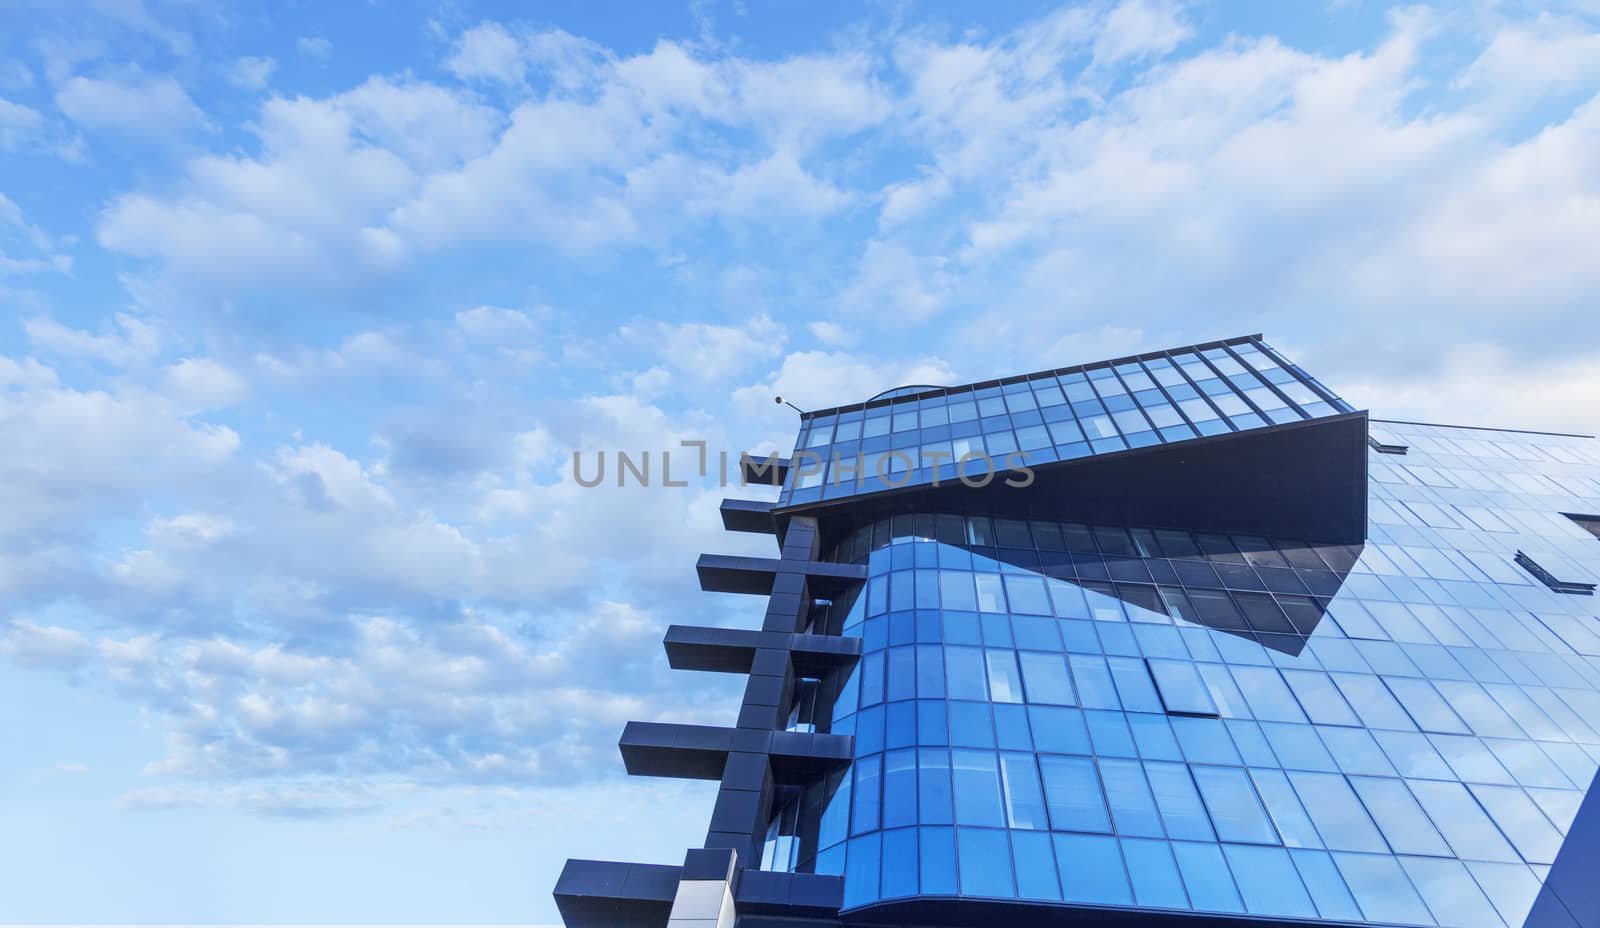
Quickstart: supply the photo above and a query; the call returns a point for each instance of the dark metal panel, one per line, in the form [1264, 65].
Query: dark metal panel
[604, 894]
[748, 515]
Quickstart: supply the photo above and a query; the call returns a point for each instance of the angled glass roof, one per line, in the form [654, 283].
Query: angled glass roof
[910, 439]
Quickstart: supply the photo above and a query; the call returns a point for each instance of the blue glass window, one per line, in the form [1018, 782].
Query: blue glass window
[977, 788]
[1293, 825]
[933, 787]
[1326, 886]
[864, 817]
[1382, 889]
[899, 788]
[964, 673]
[1337, 813]
[1205, 873]
[1269, 699]
[1024, 802]
[1182, 689]
[1427, 708]
[1372, 701]
[899, 863]
[1035, 865]
[1045, 679]
[862, 858]
[1465, 826]
[1133, 811]
[1072, 792]
[1095, 689]
[1058, 730]
[1521, 821]
[1319, 698]
[1181, 811]
[1236, 813]
[1154, 875]
[1449, 890]
[938, 861]
[1005, 685]
[1399, 817]
[1268, 881]
[1091, 870]
[985, 862]
[1132, 678]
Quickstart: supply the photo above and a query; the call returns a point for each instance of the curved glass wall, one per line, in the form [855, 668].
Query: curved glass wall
[1399, 732]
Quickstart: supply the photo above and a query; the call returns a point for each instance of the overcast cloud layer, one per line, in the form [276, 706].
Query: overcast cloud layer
[304, 318]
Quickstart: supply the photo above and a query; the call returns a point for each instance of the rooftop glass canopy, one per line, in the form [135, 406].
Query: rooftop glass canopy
[1222, 434]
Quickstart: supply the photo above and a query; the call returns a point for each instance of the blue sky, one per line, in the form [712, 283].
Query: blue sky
[306, 307]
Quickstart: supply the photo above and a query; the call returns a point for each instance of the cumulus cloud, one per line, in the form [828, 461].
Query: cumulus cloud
[125, 342]
[74, 452]
[43, 646]
[359, 181]
[341, 598]
[147, 107]
[252, 72]
[19, 124]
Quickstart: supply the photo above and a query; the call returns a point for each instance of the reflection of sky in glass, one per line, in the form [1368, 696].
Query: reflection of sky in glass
[1399, 732]
[1057, 416]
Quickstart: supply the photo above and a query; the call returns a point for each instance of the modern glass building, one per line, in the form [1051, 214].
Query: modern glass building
[1180, 638]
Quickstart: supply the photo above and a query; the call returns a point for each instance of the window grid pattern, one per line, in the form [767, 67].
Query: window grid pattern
[1050, 417]
[1398, 732]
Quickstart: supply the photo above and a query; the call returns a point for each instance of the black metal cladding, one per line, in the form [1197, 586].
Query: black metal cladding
[755, 758]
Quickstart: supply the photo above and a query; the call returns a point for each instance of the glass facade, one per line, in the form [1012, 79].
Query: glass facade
[945, 434]
[1396, 732]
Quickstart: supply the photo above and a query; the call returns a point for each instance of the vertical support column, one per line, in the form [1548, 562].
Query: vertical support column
[706, 890]
[744, 803]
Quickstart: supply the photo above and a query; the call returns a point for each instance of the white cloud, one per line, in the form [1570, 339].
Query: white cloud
[373, 355]
[252, 72]
[487, 52]
[149, 107]
[200, 384]
[43, 646]
[14, 226]
[137, 343]
[18, 124]
[831, 333]
[1522, 63]
[314, 47]
[705, 351]
[820, 379]
[494, 324]
[84, 454]
[1480, 384]
[313, 205]
[1137, 28]
[189, 529]
[360, 182]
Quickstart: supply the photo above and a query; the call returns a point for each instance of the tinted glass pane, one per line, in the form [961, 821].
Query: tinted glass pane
[1268, 881]
[1133, 811]
[1235, 812]
[1178, 802]
[984, 859]
[977, 788]
[1072, 790]
[1399, 817]
[1091, 870]
[1154, 874]
[1338, 814]
[1382, 889]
